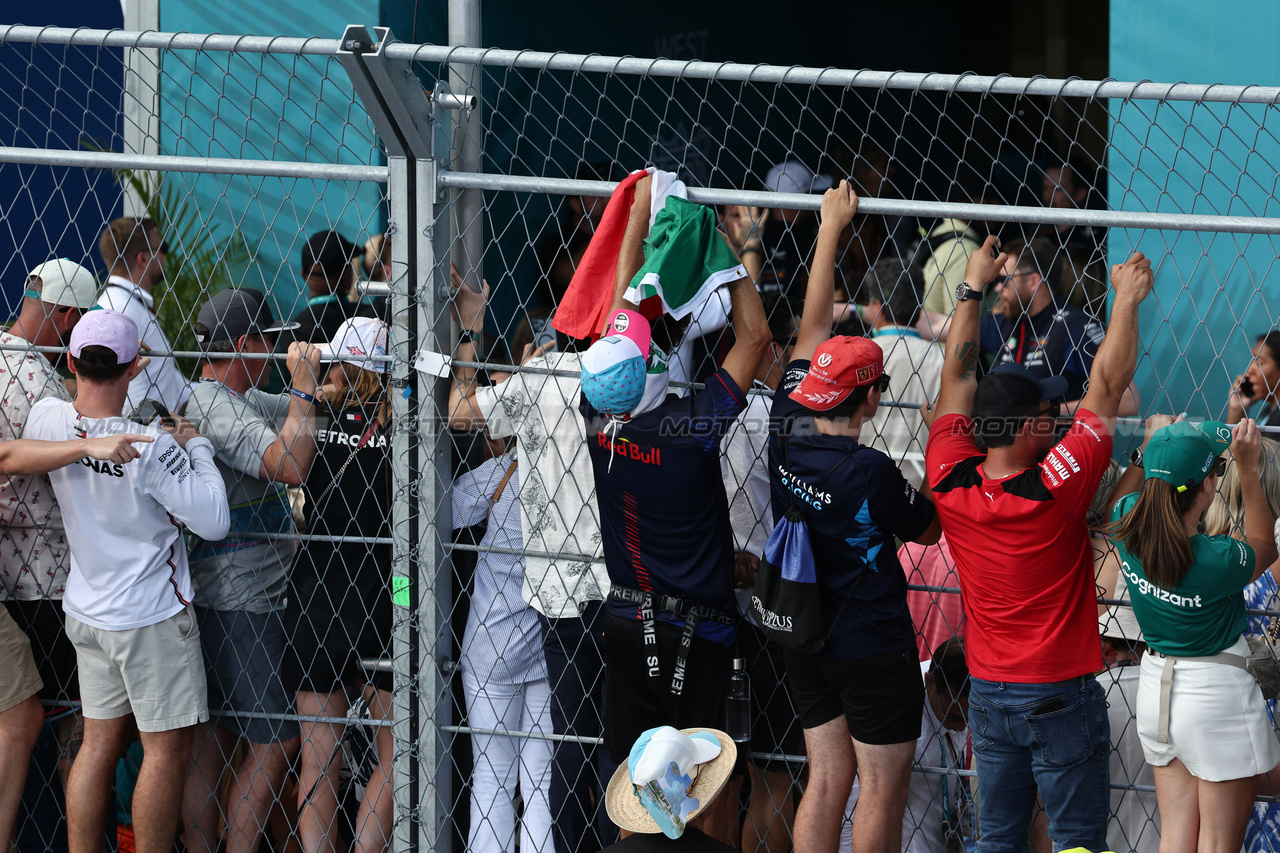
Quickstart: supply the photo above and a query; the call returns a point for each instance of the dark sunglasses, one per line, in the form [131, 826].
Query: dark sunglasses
[882, 384]
[1218, 470]
[1054, 410]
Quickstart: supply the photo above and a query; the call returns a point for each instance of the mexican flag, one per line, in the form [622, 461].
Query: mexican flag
[585, 307]
[685, 259]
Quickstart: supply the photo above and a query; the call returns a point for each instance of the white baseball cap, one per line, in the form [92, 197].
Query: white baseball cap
[792, 176]
[355, 341]
[63, 282]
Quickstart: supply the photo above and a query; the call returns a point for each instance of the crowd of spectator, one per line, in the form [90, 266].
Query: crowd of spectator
[198, 584]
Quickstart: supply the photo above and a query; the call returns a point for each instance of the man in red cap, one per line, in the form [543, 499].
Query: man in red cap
[860, 698]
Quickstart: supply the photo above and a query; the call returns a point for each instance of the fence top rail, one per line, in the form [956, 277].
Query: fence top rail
[1001, 84]
[296, 169]
[689, 69]
[85, 37]
[892, 207]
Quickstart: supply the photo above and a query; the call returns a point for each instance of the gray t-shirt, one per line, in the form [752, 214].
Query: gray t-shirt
[246, 571]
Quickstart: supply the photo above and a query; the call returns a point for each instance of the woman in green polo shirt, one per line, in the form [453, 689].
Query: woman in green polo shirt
[1202, 721]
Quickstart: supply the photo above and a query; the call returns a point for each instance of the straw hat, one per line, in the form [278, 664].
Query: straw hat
[623, 802]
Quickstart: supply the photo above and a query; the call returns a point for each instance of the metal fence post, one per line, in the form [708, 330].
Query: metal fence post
[468, 204]
[405, 532]
[435, 570]
[404, 118]
[141, 103]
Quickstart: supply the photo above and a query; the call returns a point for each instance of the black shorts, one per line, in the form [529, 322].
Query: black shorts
[330, 626]
[775, 721]
[881, 697]
[634, 702]
[46, 625]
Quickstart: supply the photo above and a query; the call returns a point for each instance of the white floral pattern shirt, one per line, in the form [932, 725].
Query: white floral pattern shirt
[34, 557]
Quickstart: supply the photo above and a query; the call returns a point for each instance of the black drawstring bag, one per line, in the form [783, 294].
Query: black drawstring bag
[787, 602]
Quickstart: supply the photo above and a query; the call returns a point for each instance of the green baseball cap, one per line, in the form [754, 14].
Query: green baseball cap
[1183, 453]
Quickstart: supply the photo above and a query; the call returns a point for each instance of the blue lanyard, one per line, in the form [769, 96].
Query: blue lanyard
[900, 331]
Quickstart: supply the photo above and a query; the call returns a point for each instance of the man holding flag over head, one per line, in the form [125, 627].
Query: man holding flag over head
[664, 516]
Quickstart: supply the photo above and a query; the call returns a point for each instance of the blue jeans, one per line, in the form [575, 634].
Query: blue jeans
[1048, 738]
[574, 651]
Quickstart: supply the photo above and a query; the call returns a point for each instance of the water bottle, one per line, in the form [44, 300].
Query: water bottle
[737, 704]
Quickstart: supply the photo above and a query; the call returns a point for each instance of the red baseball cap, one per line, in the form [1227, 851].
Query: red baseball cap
[839, 366]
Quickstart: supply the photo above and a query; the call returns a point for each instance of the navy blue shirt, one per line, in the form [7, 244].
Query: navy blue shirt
[1061, 340]
[853, 512]
[664, 517]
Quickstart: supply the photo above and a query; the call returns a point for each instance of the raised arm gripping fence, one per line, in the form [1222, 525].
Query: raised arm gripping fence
[408, 577]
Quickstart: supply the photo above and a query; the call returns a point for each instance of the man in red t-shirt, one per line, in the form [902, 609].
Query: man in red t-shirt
[1014, 517]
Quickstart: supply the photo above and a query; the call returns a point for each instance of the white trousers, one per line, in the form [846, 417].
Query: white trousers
[500, 762]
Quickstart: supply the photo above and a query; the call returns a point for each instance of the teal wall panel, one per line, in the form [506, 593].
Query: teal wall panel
[1214, 293]
[277, 107]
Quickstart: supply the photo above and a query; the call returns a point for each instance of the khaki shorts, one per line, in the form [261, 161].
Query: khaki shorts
[155, 673]
[19, 678]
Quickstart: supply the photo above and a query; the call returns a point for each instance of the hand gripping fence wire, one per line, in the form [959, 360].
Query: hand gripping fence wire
[242, 147]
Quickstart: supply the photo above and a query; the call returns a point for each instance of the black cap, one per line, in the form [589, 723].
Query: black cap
[331, 251]
[233, 313]
[1011, 390]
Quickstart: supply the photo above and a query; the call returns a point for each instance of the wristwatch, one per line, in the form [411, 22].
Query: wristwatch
[1136, 458]
[964, 292]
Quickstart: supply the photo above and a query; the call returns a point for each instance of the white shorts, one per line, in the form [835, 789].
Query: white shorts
[1218, 724]
[155, 672]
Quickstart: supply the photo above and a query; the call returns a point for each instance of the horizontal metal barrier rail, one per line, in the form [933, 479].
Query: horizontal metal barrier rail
[574, 374]
[693, 70]
[298, 169]
[697, 386]
[903, 80]
[75, 704]
[315, 537]
[284, 537]
[913, 587]
[85, 37]
[178, 353]
[781, 756]
[1136, 219]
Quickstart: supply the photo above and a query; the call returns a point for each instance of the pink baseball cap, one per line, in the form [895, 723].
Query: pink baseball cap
[633, 325]
[109, 329]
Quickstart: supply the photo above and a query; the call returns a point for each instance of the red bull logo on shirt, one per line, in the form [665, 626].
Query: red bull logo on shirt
[630, 450]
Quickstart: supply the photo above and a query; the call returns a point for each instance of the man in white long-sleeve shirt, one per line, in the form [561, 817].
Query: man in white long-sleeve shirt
[128, 597]
[134, 251]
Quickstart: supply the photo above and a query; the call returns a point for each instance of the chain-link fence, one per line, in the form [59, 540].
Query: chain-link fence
[477, 642]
